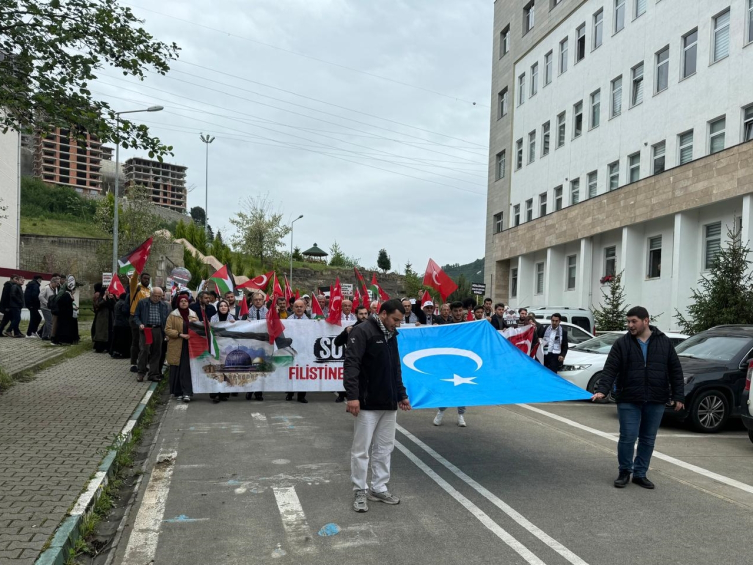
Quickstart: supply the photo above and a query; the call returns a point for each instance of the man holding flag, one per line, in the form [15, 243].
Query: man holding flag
[139, 282]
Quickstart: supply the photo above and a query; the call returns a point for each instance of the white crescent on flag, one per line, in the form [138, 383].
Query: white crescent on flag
[411, 358]
[434, 278]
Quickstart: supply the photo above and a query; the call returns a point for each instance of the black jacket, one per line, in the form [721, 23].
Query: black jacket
[541, 330]
[5, 297]
[342, 339]
[210, 310]
[31, 295]
[655, 379]
[372, 368]
[16, 297]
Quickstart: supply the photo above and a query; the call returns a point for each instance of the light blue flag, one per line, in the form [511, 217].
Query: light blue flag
[471, 364]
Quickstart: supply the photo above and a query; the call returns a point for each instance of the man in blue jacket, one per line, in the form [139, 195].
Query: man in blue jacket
[645, 367]
[150, 317]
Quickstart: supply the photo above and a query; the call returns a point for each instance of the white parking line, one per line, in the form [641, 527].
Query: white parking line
[480, 515]
[499, 503]
[659, 455]
[294, 520]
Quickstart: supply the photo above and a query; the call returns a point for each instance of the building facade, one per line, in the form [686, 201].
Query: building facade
[619, 142]
[10, 194]
[64, 161]
[166, 182]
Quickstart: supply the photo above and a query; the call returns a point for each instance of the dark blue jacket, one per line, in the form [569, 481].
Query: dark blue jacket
[31, 295]
[141, 315]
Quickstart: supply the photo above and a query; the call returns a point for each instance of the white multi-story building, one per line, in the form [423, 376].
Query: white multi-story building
[10, 163]
[619, 143]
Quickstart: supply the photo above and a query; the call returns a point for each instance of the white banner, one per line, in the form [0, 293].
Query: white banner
[303, 358]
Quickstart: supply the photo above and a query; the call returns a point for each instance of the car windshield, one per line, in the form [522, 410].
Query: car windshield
[602, 344]
[713, 347]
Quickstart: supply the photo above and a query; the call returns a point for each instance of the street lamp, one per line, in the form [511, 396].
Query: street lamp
[117, 182]
[206, 139]
[291, 250]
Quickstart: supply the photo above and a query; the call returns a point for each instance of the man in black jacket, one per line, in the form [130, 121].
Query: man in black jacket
[554, 341]
[374, 389]
[4, 301]
[14, 306]
[648, 373]
[31, 298]
[362, 313]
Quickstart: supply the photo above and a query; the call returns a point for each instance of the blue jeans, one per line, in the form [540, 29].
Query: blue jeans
[637, 422]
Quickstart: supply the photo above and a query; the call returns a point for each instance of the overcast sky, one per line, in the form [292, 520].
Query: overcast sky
[393, 166]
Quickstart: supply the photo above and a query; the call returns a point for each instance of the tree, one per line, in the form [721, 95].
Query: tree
[180, 230]
[463, 291]
[413, 283]
[259, 230]
[297, 254]
[337, 257]
[199, 271]
[198, 215]
[725, 295]
[54, 47]
[383, 261]
[612, 314]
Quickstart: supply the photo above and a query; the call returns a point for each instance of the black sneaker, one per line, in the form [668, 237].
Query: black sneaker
[623, 480]
[643, 482]
[134, 369]
[249, 395]
[288, 397]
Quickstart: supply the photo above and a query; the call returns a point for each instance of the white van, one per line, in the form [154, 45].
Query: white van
[576, 316]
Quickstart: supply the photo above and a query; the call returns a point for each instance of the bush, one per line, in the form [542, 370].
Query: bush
[40, 200]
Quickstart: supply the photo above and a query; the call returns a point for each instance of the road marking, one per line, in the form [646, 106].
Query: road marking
[480, 515]
[259, 417]
[494, 499]
[659, 455]
[181, 407]
[294, 520]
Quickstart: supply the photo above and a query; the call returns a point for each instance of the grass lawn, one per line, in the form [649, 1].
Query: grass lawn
[61, 228]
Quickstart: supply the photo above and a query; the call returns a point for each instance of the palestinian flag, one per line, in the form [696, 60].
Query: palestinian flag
[316, 309]
[224, 280]
[361, 282]
[200, 346]
[377, 291]
[136, 259]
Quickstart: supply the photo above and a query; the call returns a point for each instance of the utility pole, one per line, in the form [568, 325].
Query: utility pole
[291, 250]
[207, 140]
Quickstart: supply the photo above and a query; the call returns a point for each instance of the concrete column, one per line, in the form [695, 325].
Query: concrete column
[584, 274]
[526, 282]
[746, 235]
[686, 261]
[631, 263]
[554, 276]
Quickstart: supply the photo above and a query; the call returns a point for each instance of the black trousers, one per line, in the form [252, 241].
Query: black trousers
[551, 362]
[34, 318]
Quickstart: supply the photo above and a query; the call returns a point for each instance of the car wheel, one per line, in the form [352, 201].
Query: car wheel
[592, 384]
[709, 412]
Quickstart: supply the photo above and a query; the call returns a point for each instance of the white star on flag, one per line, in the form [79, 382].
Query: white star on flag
[458, 380]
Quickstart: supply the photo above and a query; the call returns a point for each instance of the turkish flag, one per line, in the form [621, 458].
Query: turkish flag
[288, 292]
[426, 298]
[116, 287]
[470, 317]
[274, 324]
[440, 281]
[276, 289]
[335, 304]
[356, 300]
[520, 337]
[243, 312]
[258, 283]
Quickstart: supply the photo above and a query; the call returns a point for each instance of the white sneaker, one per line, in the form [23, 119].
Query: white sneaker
[438, 418]
[461, 421]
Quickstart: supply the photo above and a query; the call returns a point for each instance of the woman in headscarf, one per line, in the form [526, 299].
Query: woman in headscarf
[223, 313]
[121, 331]
[103, 304]
[67, 327]
[177, 357]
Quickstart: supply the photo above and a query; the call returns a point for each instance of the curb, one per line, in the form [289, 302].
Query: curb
[36, 366]
[69, 529]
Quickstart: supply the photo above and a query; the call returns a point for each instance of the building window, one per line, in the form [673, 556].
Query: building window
[580, 43]
[686, 147]
[539, 278]
[574, 191]
[636, 96]
[516, 214]
[716, 135]
[547, 68]
[593, 180]
[689, 53]
[713, 244]
[654, 257]
[658, 159]
[599, 28]
[498, 222]
[513, 283]
[521, 89]
[634, 167]
[561, 130]
[721, 36]
[529, 209]
[619, 15]
[528, 17]
[571, 268]
[502, 99]
[555, 3]
[519, 154]
[610, 261]
[532, 146]
[616, 96]
[595, 109]
[662, 69]
[748, 122]
[614, 175]
[578, 119]
[534, 79]
[557, 198]
[545, 139]
[640, 7]
[500, 165]
[749, 36]
[542, 204]
[504, 42]
[563, 55]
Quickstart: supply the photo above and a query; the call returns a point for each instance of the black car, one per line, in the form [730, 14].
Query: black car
[746, 409]
[715, 366]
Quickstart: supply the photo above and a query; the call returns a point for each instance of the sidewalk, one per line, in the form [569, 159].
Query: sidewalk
[54, 432]
[18, 355]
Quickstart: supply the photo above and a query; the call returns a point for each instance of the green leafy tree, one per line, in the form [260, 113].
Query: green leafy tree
[463, 291]
[53, 49]
[297, 254]
[259, 230]
[337, 257]
[198, 215]
[413, 283]
[180, 230]
[611, 316]
[725, 295]
[199, 271]
[383, 261]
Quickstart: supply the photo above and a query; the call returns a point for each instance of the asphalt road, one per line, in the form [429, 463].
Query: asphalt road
[262, 482]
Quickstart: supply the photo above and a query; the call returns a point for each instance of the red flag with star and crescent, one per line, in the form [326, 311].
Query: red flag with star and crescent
[274, 324]
[440, 281]
[259, 283]
[335, 304]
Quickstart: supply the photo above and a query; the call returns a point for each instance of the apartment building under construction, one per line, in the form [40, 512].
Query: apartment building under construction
[167, 182]
[65, 161]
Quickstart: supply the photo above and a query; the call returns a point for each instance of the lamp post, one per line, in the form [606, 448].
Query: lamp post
[117, 182]
[206, 139]
[291, 250]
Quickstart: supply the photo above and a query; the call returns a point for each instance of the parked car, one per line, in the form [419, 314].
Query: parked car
[585, 361]
[579, 316]
[575, 334]
[746, 408]
[715, 366]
